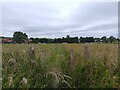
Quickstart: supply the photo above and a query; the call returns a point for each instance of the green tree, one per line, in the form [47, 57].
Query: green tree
[112, 39]
[20, 37]
[68, 38]
[36, 40]
[104, 39]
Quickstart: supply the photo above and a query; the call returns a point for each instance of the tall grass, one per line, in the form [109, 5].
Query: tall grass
[61, 65]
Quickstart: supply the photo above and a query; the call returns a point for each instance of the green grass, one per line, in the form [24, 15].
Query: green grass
[55, 70]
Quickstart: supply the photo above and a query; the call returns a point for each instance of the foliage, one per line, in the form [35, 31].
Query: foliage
[69, 39]
[20, 37]
[50, 67]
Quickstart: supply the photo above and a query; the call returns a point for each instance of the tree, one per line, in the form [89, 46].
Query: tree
[97, 39]
[104, 39]
[87, 39]
[112, 39]
[82, 39]
[36, 40]
[32, 40]
[20, 37]
[68, 38]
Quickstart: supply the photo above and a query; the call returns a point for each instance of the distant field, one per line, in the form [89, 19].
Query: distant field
[60, 65]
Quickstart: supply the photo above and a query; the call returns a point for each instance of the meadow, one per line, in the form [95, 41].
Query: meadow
[60, 66]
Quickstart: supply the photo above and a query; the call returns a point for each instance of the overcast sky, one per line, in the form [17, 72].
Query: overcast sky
[58, 19]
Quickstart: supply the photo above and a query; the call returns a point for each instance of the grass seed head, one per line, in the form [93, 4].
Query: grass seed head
[24, 81]
[12, 61]
[32, 53]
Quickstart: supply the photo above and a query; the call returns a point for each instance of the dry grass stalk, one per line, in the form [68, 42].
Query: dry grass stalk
[71, 58]
[10, 81]
[56, 79]
[33, 63]
[86, 53]
[44, 54]
[106, 57]
[32, 52]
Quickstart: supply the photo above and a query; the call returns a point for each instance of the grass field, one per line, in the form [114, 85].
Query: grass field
[60, 65]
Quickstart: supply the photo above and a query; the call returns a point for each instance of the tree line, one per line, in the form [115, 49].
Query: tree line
[20, 37]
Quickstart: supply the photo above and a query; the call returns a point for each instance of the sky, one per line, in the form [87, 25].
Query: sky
[58, 19]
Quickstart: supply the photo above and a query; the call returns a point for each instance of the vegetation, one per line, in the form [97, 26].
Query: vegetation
[60, 66]
[19, 37]
[69, 39]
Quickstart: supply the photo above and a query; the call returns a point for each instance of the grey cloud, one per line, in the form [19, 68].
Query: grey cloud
[57, 20]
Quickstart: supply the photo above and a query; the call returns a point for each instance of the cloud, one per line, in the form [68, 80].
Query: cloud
[55, 19]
